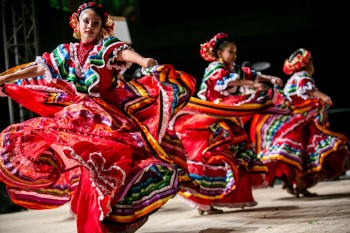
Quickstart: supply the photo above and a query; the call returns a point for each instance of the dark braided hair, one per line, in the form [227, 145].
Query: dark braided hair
[221, 44]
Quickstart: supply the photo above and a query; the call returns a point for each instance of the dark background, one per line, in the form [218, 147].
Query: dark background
[172, 31]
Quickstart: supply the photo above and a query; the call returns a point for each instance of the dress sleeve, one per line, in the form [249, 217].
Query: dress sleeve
[304, 83]
[109, 51]
[217, 76]
[55, 63]
[248, 74]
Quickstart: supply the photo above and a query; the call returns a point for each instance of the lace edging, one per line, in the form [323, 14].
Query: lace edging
[223, 86]
[194, 204]
[302, 90]
[48, 76]
[252, 96]
[165, 117]
[115, 52]
[97, 184]
[44, 88]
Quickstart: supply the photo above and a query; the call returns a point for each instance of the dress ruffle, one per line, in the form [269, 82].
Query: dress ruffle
[107, 155]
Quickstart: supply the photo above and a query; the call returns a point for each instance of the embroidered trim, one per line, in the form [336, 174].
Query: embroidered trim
[48, 77]
[80, 71]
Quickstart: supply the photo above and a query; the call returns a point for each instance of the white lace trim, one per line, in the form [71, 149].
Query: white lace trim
[302, 90]
[115, 52]
[235, 205]
[194, 204]
[48, 77]
[245, 101]
[80, 71]
[94, 171]
[186, 188]
[44, 88]
[165, 117]
[224, 86]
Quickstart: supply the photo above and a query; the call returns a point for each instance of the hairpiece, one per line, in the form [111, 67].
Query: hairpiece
[297, 60]
[207, 48]
[107, 25]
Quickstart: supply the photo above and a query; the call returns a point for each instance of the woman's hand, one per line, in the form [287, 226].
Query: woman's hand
[259, 86]
[276, 81]
[326, 99]
[147, 62]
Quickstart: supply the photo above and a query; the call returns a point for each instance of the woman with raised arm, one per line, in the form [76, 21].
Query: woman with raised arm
[220, 155]
[299, 147]
[100, 143]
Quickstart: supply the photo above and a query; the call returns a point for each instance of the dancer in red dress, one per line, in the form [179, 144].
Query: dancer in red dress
[299, 146]
[221, 157]
[100, 143]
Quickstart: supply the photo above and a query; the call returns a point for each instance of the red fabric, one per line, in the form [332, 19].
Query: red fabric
[242, 196]
[83, 51]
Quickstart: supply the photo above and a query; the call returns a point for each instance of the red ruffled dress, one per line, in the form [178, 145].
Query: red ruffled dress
[301, 139]
[100, 143]
[220, 155]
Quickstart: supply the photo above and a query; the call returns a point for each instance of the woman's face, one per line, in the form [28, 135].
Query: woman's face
[229, 54]
[89, 25]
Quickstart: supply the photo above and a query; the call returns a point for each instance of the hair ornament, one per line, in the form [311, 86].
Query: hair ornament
[108, 23]
[297, 60]
[207, 48]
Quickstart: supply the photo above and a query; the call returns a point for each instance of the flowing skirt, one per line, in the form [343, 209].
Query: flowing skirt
[220, 155]
[301, 141]
[112, 157]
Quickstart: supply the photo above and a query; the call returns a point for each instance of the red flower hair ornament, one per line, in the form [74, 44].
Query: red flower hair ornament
[296, 61]
[108, 23]
[208, 47]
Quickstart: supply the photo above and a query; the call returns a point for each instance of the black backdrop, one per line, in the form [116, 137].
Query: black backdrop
[171, 32]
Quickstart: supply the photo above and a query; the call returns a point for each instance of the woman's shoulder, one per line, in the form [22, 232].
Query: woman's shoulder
[215, 65]
[111, 40]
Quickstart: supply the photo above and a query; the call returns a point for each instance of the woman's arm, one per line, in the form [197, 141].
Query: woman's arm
[239, 82]
[131, 56]
[33, 71]
[274, 80]
[325, 98]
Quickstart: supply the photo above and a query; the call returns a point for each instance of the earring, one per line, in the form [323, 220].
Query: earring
[77, 35]
[100, 35]
[220, 60]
